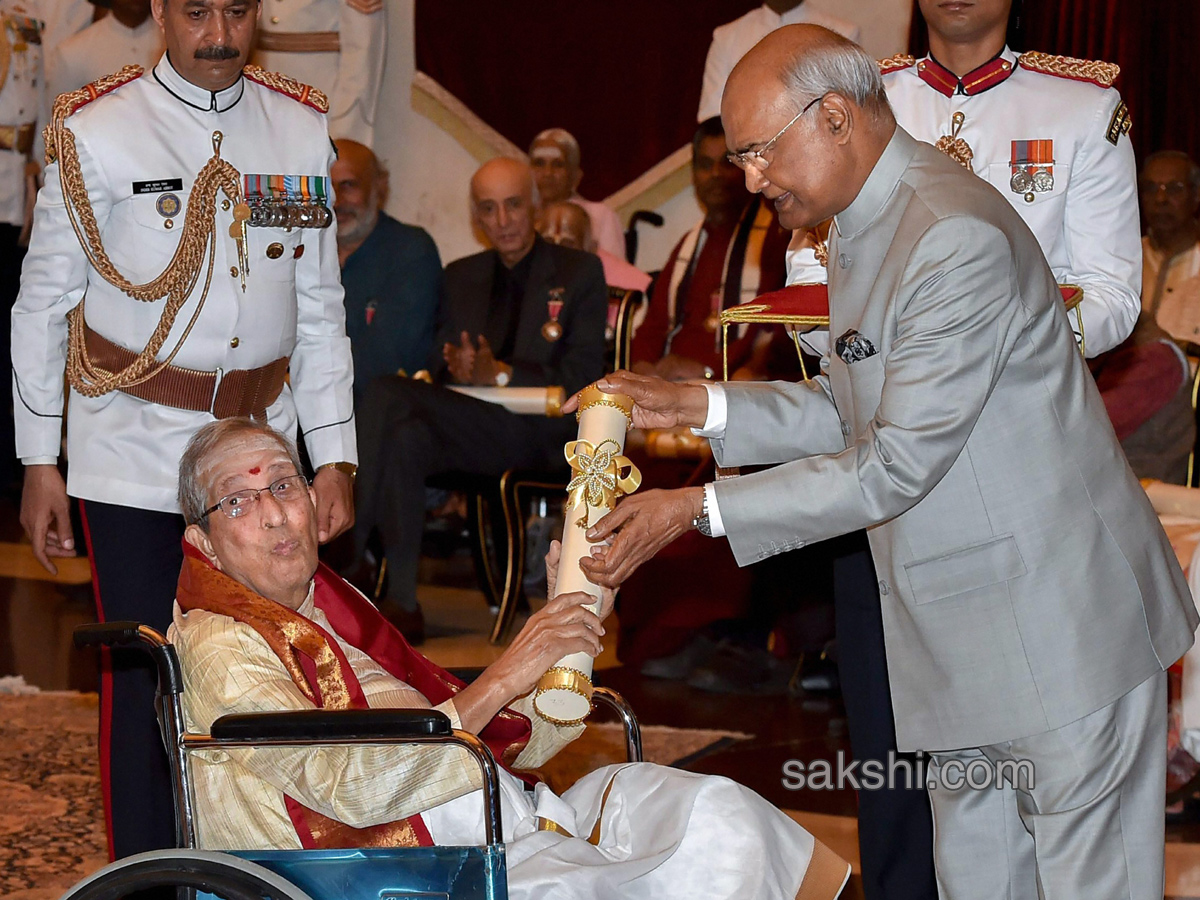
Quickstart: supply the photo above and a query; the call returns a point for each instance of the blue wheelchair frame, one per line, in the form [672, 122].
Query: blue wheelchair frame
[454, 873]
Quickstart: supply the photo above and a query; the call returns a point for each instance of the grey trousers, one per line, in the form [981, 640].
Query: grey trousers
[1089, 827]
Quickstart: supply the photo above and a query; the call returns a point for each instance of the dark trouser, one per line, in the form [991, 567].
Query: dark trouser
[409, 431]
[895, 826]
[136, 557]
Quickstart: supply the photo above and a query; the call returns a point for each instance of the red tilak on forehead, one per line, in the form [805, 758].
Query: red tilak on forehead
[255, 470]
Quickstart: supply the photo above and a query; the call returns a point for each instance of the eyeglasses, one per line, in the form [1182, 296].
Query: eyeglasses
[1173, 189]
[748, 158]
[237, 504]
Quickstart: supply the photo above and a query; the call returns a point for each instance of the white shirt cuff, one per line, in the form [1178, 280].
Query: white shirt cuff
[718, 413]
[714, 511]
[39, 460]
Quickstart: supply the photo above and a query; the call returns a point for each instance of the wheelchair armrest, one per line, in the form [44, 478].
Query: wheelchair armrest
[342, 724]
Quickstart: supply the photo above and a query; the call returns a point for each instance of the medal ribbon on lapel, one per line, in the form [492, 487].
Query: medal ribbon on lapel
[600, 474]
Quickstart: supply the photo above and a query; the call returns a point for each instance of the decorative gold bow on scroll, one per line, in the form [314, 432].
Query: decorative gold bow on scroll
[599, 475]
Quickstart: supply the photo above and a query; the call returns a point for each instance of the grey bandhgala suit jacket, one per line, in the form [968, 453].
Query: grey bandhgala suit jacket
[1024, 577]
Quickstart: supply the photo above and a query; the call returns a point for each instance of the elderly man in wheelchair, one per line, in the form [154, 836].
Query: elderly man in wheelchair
[260, 626]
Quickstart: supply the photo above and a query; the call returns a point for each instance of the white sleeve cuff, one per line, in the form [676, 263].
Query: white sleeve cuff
[714, 511]
[718, 413]
[39, 460]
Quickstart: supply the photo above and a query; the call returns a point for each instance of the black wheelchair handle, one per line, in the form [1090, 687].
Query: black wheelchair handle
[106, 634]
[134, 634]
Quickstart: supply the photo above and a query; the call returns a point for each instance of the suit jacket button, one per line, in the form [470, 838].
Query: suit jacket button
[884, 590]
[843, 260]
[845, 428]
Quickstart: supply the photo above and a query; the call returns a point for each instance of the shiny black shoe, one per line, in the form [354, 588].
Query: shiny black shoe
[409, 622]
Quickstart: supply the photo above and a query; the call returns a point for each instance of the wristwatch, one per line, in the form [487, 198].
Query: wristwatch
[701, 523]
[503, 377]
[347, 468]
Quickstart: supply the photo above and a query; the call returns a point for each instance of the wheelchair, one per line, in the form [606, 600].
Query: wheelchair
[453, 873]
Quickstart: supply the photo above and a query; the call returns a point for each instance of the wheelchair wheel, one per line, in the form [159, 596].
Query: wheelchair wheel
[215, 873]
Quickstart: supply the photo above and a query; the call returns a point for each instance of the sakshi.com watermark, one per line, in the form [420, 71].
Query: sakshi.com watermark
[906, 771]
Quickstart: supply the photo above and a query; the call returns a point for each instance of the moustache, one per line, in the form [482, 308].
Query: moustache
[217, 52]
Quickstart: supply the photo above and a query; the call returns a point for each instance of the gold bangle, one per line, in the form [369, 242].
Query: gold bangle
[344, 467]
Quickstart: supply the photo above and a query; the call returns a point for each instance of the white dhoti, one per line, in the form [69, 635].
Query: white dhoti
[645, 831]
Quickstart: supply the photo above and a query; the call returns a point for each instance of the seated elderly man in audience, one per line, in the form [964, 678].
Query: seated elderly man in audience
[1169, 189]
[554, 155]
[566, 223]
[260, 626]
[391, 272]
[522, 314]
[735, 253]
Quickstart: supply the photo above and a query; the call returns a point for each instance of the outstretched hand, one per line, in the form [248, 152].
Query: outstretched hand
[657, 403]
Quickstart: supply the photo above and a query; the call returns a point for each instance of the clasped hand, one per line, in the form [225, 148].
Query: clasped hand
[471, 364]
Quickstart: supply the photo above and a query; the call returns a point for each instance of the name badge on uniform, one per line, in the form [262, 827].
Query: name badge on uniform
[287, 201]
[1032, 168]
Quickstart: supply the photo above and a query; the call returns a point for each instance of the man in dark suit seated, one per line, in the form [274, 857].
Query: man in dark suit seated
[391, 272]
[524, 313]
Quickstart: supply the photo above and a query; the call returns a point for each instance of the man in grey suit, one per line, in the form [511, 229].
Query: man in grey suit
[1031, 602]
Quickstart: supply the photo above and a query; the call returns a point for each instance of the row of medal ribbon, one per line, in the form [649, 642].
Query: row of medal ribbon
[287, 201]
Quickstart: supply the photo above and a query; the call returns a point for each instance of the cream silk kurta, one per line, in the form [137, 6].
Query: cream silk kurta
[645, 831]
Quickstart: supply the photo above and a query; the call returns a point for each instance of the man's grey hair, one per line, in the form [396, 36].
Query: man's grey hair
[197, 457]
[1193, 168]
[564, 140]
[839, 67]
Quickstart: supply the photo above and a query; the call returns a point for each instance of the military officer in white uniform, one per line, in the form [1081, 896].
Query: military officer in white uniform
[22, 113]
[1050, 134]
[206, 184]
[337, 46]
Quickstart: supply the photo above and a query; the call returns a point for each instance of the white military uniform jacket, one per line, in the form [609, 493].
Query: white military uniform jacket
[22, 99]
[350, 76]
[1086, 218]
[140, 147]
[102, 47]
[733, 40]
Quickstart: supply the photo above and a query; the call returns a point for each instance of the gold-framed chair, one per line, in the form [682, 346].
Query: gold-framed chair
[518, 484]
[807, 305]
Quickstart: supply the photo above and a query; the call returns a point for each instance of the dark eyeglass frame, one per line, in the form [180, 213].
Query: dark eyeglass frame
[250, 496]
[748, 158]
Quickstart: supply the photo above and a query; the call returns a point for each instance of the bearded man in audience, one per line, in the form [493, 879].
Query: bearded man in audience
[253, 606]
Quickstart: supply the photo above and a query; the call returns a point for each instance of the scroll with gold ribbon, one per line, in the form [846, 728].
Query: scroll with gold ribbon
[600, 473]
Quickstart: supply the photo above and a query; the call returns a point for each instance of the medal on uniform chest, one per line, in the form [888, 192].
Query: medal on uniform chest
[1032, 166]
[552, 330]
[713, 320]
[287, 201]
[953, 146]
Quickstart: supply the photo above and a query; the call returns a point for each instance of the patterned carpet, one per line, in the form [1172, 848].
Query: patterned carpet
[51, 816]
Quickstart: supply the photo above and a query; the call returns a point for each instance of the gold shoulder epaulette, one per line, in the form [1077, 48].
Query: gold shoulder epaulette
[1097, 72]
[284, 84]
[895, 63]
[71, 102]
